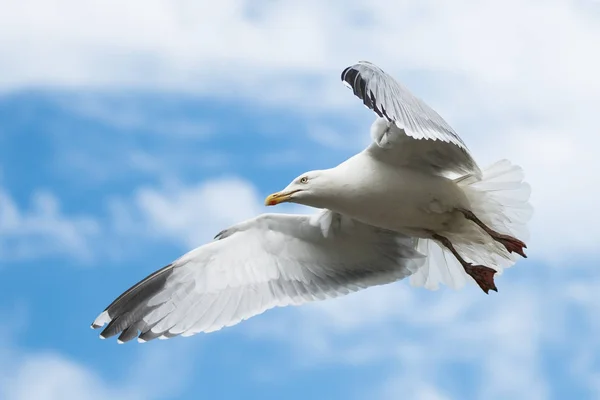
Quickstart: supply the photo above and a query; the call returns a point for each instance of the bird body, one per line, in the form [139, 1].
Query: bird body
[414, 204]
[423, 202]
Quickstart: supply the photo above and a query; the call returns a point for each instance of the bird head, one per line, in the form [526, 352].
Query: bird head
[301, 190]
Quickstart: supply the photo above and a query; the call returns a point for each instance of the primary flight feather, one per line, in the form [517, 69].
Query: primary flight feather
[413, 204]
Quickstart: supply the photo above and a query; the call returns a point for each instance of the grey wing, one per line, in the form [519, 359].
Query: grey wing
[407, 130]
[273, 260]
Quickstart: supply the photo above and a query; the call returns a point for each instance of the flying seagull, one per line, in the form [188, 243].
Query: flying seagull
[413, 204]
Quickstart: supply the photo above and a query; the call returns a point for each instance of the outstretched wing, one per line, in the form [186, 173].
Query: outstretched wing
[408, 131]
[269, 261]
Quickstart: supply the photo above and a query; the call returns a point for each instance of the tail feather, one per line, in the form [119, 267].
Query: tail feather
[500, 199]
[440, 267]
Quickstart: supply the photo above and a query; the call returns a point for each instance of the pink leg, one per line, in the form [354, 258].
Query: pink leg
[513, 245]
[484, 276]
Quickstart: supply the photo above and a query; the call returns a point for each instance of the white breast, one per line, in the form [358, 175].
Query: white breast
[399, 199]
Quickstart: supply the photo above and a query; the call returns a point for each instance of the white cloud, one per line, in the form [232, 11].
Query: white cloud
[411, 388]
[48, 375]
[200, 46]
[417, 338]
[518, 79]
[43, 230]
[188, 215]
[420, 340]
[45, 374]
[124, 115]
[195, 214]
[336, 140]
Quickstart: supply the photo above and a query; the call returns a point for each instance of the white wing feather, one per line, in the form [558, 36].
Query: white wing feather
[269, 261]
[407, 131]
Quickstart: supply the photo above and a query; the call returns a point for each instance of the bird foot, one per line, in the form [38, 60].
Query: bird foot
[511, 244]
[484, 276]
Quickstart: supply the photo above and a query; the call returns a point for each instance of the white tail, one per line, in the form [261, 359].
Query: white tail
[500, 199]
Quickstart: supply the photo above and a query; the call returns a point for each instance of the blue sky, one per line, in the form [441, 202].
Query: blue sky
[130, 135]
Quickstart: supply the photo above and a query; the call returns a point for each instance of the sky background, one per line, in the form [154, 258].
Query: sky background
[131, 132]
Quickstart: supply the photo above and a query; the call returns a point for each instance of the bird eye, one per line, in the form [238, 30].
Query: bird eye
[304, 179]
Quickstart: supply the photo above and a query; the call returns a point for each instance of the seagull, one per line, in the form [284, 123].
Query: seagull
[413, 204]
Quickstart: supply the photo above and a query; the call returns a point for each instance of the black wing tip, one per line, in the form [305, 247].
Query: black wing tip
[357, 65]
[342, 77]
[221, 235]
[347, 71]
[124, 316]
[352, 78]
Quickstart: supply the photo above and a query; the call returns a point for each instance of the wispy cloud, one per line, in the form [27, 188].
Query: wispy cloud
[187, 215]
[125, 113]
[195, 214]
[50, 375]
[428, 341]
[43, 229]
[336, 140]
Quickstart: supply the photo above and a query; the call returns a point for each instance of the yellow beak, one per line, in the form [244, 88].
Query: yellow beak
[279, 197]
